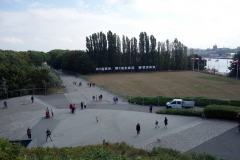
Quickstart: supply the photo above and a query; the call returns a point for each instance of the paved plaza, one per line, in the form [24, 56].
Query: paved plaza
[117, 122]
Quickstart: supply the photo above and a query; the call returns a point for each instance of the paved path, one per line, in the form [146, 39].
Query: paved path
[116, 123]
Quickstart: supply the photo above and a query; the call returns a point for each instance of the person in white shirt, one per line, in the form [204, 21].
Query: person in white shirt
[52, 112]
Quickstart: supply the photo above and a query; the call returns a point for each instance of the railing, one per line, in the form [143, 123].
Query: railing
[161, 101]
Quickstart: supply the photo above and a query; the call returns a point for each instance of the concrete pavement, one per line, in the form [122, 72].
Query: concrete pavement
[116, 123]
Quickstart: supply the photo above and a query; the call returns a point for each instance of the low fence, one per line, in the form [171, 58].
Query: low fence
[25, 92]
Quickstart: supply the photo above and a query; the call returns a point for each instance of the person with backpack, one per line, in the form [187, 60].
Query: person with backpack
[150, 108]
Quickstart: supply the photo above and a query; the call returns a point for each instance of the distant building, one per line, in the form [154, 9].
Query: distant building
[219, 49]
[214, 47]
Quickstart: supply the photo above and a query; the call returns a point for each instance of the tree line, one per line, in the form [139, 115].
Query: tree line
[24, 70]
[112, 51]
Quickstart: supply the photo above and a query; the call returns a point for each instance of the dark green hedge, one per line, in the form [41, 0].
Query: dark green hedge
[221, 111]
[185, 112]
[199, 101]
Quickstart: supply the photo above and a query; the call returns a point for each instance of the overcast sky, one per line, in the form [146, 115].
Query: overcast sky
[64, 24]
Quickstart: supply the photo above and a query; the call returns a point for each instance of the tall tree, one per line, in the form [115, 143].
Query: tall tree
[119, 53]
[233, 66]
[128, 52]
[153, 55]
[111, 49]
[142, 45]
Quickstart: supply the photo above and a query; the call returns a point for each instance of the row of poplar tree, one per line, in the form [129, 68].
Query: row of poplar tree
[111, 51]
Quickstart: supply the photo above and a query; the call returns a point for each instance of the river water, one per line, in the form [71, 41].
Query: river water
[222, 65]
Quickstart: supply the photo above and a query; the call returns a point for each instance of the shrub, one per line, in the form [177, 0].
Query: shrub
[199, 101]
[11, 150]
[235, 103]
[221, 111]
[185, 112]
[219, 102]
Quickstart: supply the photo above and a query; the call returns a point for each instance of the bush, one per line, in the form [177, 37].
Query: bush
[235, 103]
[11, 150]
[117, 151]
[185, 112]
[221, 111]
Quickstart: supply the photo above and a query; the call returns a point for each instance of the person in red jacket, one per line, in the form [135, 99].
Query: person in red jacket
[70, 107]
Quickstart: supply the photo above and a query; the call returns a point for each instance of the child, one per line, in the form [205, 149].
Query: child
[97, 119]
[156, 124]
[52, 112]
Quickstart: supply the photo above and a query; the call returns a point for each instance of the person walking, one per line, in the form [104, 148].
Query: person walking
[32, 98]
[150, 108]
[93, 97]
[156, 124]
[85, 105]
[203, 115]
[97, 119]
[52, 112]
[29, 132]
[81, 105]
[96, 97]
[114, 99]
[48, 133]
[165, 122]
[90, 84]
[138, 129]
[70, 107]
[5, 104]
[73, 108]
[238, 122]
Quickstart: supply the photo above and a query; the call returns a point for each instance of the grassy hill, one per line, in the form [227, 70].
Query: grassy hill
[170, 84]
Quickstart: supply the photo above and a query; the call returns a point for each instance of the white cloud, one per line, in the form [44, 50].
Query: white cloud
[35, 4]
[86, 6]
[196, 23]
[12, 40]
[19, 1]
[80, 3]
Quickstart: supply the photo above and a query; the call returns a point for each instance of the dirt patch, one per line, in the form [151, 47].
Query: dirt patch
[170, 84]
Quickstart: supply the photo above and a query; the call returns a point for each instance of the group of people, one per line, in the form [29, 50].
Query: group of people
[91, 84]
[165, 122]
[48, 134]
[97, 97]
[115, 100]
[138, 128]
[48, 112]
[72, 108]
